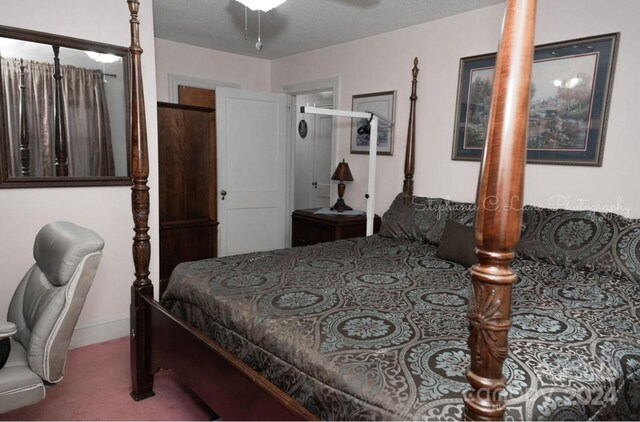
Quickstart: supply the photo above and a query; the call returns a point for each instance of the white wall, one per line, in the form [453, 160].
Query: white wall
[173, 58]
[384, 62]
[106, 210]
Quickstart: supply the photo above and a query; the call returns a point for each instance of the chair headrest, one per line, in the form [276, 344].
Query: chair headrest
[61, 246]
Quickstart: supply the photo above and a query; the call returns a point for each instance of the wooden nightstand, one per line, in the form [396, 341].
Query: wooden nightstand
[309, 228]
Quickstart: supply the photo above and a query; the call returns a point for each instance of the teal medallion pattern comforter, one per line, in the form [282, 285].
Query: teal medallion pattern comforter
[375, 328]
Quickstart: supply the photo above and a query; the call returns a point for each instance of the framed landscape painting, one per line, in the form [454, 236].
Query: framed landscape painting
[570, 88]
[382, 104]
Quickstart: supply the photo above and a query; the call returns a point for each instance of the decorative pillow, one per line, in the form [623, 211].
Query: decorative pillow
[606, 243]
[462, 212]
[423, 219]
[415, 218]
[5, 349]
[458, 244]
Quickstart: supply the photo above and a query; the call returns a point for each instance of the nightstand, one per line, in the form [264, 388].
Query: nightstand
[309, 228]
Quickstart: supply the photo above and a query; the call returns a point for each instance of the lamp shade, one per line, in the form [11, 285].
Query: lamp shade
[342, 173]
[262, 5]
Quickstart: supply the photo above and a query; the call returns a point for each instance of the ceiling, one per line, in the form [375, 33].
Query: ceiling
[297, 25]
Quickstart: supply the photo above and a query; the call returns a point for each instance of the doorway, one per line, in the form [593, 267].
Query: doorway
[313, 157]
[313, 148]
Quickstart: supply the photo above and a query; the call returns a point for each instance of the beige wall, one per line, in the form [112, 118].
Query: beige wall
[384, 62]
[106, 210]
[204, 64]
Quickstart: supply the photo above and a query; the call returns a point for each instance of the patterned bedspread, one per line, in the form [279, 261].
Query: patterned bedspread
[375, 328]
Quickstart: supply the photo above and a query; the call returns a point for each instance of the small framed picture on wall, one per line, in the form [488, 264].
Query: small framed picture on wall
[382, 104]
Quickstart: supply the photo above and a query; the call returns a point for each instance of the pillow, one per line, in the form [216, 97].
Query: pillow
[605, 243]
[458, 244]
[415, 218]
[462, 212]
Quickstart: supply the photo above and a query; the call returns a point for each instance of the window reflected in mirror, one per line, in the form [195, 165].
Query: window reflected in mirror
[64, 108]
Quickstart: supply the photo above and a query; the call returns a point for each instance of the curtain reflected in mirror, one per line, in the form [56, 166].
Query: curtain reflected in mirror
[63, 111]
[88, 133]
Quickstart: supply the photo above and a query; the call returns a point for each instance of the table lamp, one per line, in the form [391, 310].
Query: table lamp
[343, 174]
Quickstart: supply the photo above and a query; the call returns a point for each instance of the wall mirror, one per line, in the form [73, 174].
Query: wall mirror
[63, 111]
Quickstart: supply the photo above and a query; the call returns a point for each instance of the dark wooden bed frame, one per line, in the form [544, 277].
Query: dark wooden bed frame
[234, 390]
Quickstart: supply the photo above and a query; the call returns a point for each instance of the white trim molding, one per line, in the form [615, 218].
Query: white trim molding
[329, 84]
[97, 332]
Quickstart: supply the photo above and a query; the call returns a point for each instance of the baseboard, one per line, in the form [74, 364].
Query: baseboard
[98, 332]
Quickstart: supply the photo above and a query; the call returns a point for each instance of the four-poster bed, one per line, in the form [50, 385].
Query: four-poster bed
[373, 327]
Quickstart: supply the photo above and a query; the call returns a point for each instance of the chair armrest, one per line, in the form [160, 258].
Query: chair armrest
[7, 329]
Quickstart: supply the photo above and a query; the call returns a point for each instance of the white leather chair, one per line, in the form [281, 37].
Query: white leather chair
[44, 310]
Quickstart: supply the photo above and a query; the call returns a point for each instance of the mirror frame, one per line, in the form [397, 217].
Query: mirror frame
[7, 181]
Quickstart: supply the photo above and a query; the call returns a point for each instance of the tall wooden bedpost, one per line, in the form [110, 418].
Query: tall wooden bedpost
[499, 215]
[60, 130]
[25, 154]
[141, 376]
[410, 154]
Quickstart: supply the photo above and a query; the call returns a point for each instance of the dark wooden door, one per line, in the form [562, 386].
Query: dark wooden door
[202, 97]
[187, 168]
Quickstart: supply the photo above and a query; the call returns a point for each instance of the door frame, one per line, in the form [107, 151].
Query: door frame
[330, 84]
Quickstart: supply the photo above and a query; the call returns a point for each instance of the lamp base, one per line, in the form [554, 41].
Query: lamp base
[340, 206]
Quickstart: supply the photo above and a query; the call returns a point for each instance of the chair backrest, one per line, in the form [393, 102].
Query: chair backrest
[47, 303]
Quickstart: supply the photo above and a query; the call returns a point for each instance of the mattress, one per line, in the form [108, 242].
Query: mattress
[376, 328]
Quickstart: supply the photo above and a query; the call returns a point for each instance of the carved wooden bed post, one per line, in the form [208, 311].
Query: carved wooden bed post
[141, 376]
[499, 214]
[25, 155]
[410, 155]
[60, 130]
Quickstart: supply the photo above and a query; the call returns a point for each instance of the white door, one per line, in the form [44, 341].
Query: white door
[252, 170]
[303, 176]
[322, 161]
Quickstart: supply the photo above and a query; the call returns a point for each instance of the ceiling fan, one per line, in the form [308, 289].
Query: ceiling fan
[260, 6]
[267, 5]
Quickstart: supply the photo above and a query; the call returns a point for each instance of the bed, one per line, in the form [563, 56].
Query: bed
[375, 328]
[380, 327]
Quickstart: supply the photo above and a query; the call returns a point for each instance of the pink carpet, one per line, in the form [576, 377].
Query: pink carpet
[96, 386]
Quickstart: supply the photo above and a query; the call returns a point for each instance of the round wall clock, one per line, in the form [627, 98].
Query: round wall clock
[302, 128]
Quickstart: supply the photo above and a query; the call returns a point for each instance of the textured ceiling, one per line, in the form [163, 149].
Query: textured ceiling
[297, 25]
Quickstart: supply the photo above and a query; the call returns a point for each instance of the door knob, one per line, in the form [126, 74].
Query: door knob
[223, 193]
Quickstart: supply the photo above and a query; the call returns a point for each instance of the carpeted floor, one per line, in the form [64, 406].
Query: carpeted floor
[96, 386]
